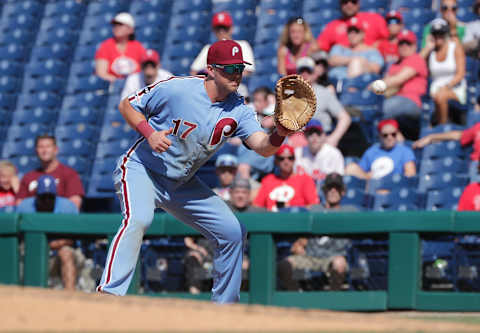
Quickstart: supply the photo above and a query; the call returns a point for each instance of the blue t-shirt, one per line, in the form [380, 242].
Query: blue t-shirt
[340, 72]
[62, 206]
[260, 165]
[200, 127]
[383, 162]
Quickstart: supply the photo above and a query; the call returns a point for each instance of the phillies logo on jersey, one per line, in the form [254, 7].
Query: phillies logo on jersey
[235, 50]
[225, 127]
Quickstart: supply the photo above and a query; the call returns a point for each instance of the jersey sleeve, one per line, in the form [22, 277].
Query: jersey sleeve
[102, 52]
[408, 155]
[150, 100]
[468, 135]
[248, 123]
[310, 191]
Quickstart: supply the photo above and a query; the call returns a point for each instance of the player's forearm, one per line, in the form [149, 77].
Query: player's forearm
[265, 144]
[132, 117]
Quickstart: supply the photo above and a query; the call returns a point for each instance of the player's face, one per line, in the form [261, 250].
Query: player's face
[297, 34]
[285, 162]
[46, 150]
[388, 136]
[6, 175]
[240, 197]
[226, 81]
[226, 175]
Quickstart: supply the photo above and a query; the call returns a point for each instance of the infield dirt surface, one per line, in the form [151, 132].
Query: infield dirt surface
[46, 310]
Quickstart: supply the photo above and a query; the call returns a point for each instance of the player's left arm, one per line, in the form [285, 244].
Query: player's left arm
[267, 144]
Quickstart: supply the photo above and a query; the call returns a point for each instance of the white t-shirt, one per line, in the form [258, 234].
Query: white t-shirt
[200, 62]
[136, 81]
[328, 159]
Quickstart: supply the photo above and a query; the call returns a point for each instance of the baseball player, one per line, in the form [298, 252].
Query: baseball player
[183, 121]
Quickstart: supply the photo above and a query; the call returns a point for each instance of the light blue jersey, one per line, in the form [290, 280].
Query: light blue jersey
[199, 127]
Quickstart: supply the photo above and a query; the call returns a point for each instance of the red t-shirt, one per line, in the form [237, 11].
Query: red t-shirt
[472, 135]
[120, 64]
[470, 199]
[417, 85]
[67, 180]
[336, 31]
[297, 190]
[7, 198]
[389, 50]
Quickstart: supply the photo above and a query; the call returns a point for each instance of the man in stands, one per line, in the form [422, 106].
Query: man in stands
[46, 200]
[336, 31]
[151, 72]
[286, 188]
[318, 158]
[389, 47]
[384, 158]
[222, 25]
[226, 169]
[67, 180]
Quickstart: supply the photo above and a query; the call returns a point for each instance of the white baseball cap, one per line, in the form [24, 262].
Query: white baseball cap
[124, 18]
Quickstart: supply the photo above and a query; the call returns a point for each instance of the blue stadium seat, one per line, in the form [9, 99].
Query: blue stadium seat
[56, 35]
[278, 5]
[7, 101]
[45, 99]
[360, 82]
[473, 173]
[178, 66]
[84, 99]
[37, 115]
[67, 21]
[18, 132]
[55, 84]
[79, 164]
[368, 261]
[30, 7]
[9, 67]
[194, 33]
[418, 15]
[9, 84]
[266, 66]
[443, 149]
[76, 131]
[465, 14]
[49, 67]
[83, 68]
[364, 99]
[396, 4]
[80, 115]
[25, 163]
[195, 19]
[151, 34]
[354, 182]
[391, 182]
[232, 5]
[87, 83]
[434, 248]
[141, 7]
[276, 18]
[377, 5]
[17, 36]
[310, 6]
[244, 32]
[85, 53]
[16, 52]
[186, 49]
[444, 199]
[267, 34]
[244, 18]
[18, 148]
[355, 197]
[441, 129]
[267, 80]
[113, 148]
[70, 7]
[322, 17]
[4, 119]
[186, 6]
[109, 132]
[401, 199]
[441, 181]
[94, 37]
[76, 147]
[110, 6]
[445, 164]
[266, 50]
[51, 51]
[21, 21]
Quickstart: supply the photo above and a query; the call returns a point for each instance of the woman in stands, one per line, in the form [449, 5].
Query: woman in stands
[296, 42]
[446, 62]
[119, 56]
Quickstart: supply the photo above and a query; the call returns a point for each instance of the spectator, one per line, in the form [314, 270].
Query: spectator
[46, 200]
[226, 169]
[446, 62]
[328, 106]
[67, 180]
[318, 158]
[9, 184]
[286, 188]
[151, 72]
[389, 47]
[448, 9]
[385, 158]
[336, 31]
[240, 197]
[470, 199]
[471, 41]
[198, 262]
[296, 41]
[324, 254]
[407, 82]
[357, 57]
[222, 25]
[321, 70]
[469, 136]
[119, 56]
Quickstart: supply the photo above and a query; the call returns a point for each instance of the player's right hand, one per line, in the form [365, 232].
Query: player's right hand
[159, 142]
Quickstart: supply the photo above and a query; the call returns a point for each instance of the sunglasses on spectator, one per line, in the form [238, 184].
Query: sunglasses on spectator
[386, 135]
[344, 2]
[230, 69]
[393, 21]
[305, 69]
[281, 158]
[444, 8]
[404, 42]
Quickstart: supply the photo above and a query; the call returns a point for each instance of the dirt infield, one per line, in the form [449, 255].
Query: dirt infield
[35, 310]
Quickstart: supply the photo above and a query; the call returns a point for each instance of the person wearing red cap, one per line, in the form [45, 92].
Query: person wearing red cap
[182, 122]
[119, 56]
[286, 188]
[389, 47]
[222, 25]
[406, 82]
[336, 31]
[151, 72]
[387, 157]
[357, 58]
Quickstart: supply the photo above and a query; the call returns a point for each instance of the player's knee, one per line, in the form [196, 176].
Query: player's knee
[236, 234]
[142, 220]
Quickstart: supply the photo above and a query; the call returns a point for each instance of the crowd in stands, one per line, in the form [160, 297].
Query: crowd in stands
[428, 101]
